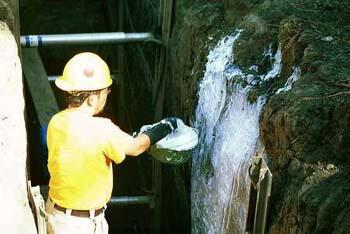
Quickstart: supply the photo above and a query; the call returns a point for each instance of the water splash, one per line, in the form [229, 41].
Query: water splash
[229, 136]
[290, 81]
[276, 67]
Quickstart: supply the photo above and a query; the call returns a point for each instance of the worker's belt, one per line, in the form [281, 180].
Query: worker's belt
[79, 213]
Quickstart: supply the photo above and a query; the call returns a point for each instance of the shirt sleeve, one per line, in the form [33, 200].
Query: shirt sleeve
[115, 141]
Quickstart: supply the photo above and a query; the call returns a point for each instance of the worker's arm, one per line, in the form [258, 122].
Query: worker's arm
[138, 145]
[117, 144]
[151, 136]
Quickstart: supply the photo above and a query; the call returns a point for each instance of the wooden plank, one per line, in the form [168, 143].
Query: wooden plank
[43, 97]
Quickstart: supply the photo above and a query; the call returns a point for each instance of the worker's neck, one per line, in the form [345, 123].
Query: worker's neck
[85, 109]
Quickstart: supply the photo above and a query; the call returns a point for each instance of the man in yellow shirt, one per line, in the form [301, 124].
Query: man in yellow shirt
[82, 148]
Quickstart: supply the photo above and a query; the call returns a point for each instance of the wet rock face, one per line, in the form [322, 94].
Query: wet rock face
[305, 131]
[197, 26]
[235, 10]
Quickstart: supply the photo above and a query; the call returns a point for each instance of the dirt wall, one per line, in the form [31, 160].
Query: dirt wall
[305, 131]
[16, 213]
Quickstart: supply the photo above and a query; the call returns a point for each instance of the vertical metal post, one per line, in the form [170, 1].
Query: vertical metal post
[156, 165]
[164, 22]
[157, 194]
[249, 226]
[121, 29]
[120, 59]
[264, 192]
[259, 197]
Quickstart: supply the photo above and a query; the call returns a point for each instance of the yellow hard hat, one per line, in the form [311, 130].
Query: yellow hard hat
[85, 72]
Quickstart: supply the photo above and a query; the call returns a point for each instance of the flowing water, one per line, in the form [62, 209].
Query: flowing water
[229, 136]
[290, 81]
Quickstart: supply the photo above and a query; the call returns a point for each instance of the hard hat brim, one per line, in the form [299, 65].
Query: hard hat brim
[65, 86]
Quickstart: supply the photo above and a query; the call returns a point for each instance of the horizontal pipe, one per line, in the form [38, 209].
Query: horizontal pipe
[53, 78]
[130, 200]
[85, 39]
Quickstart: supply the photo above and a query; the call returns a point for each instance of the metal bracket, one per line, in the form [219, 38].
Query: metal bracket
[259, 196]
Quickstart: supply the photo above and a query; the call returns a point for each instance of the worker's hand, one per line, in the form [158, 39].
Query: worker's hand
[161, 129]
[171, 121]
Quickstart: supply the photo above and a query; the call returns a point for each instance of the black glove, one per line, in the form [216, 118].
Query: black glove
[172, 121]
[161, 130]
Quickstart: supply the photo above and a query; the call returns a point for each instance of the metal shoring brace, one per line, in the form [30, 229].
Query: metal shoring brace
[165, 16]
[259, 196]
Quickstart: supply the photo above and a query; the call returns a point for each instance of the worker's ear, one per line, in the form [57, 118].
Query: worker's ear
[92, 100]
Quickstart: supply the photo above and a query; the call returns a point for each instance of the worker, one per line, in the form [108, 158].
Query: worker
[82, 148]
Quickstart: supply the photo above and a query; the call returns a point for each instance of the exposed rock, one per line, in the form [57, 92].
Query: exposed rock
[196, 29]
[17, 216]
[306, 131]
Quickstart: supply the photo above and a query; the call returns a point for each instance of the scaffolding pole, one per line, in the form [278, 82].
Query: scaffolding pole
[85, 39]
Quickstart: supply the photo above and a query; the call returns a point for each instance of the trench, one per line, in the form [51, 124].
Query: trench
[304, 130]
[227, 121]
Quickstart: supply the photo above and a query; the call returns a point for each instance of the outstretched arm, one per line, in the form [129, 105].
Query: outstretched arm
[138, 145]
[151, 136]
[121, 143]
